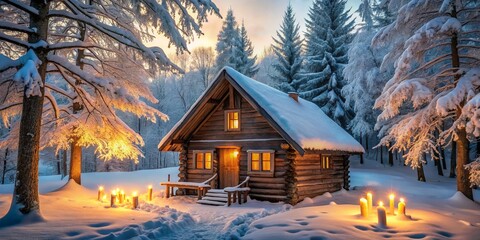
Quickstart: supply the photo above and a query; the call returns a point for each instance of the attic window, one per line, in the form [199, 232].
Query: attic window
[232, 120]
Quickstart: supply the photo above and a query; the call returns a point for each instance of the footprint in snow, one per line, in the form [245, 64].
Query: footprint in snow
[99, 225]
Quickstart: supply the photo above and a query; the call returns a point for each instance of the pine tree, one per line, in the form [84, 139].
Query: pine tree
[244, 61]
[382, 15]
[366, 13]
[327, 39]
[436, 82]
[226, 42]
[287, 49]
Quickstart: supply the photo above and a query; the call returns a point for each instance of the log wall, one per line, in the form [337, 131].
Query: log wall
[313, 181]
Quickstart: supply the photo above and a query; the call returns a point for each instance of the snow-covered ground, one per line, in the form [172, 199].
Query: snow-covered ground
[72, 212]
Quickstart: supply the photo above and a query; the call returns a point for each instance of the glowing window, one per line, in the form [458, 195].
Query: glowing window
[203, 159]
[325, 162]
[232, 121]
[260, 160]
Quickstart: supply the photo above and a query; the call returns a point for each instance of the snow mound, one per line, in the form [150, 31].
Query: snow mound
[72, 188]
[460, 201]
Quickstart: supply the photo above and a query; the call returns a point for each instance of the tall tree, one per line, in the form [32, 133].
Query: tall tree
[225, 46]
[203, 61]
[244, 60]
[33, 45]
[366, 13]
[436, 82]
[327, 38]
[287, 48]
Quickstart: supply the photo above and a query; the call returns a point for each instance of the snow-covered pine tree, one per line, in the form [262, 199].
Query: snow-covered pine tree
[226, 42]
[366, 13]
[244, 61]
[288, 49]
[364, 78]
[32, 44]
[327, 39]
[436, 82]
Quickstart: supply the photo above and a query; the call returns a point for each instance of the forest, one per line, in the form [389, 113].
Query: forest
[82, 90]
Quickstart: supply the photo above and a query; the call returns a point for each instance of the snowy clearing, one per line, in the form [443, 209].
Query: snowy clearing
[73, 212]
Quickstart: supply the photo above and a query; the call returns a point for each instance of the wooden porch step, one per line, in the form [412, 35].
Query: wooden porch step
[216, 194]
[216, 191]
[218, 199]
[208, 202]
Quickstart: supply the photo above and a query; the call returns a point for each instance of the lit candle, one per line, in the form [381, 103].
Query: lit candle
[150, 193]
[382, 215]
[369, 202]
[100, 193]
[392, 204]
[117, 191]
[401, 207]
[363, 207]
[121, 196]
[104, 198]
[135, 200]
[113, 198]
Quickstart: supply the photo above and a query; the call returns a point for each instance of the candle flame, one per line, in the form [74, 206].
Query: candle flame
[149, 186]
[380, 204]
[363, 200]
[402, 200]
[100, 188]
[392, 196]
[122, 192]
[114, 192]
[104, 197]
[134, 194]
[369, 194]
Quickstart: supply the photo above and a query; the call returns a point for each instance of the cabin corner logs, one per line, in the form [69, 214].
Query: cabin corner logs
[293, 176]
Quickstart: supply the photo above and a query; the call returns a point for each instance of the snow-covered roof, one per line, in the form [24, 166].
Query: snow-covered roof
[303, 124]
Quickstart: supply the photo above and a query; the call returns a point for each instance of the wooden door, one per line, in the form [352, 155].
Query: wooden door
[229, 167]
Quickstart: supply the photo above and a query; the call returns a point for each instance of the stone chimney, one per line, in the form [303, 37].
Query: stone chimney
[293, 95]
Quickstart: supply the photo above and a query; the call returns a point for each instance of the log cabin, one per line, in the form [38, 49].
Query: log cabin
[240, 127]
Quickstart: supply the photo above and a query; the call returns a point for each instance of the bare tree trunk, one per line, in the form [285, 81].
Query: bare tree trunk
[439, 165]
[381, 154]
[366, 143]
[421, 174]
[453, 160]
[25, 195]
[4, 170]
[390, 157]
[477, 149]
[76, 162]
[463, 182]
[59, 170]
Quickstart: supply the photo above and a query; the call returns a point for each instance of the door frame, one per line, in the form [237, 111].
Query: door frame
[217, 148]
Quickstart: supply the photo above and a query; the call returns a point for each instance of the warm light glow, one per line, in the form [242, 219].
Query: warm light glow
[104, 197]
[402, 200]
[122, 192]
[392, 196]
[235, 153]
[150, 187]
[134, 194]
[380, 204]
[100, 188]
[363, 200]
[369, 194]
[114, 192]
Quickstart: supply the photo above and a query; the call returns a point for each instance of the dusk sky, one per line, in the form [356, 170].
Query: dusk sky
[262, 19]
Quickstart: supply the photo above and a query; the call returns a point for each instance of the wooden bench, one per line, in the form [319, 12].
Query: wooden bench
[240, 191]
[201, 188]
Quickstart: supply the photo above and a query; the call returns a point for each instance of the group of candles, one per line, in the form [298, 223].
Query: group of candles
[366, 208]
[118, 196]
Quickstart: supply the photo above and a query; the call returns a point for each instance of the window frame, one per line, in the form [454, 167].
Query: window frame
[227, 129]
[261, 171]
[329, 160]
[195, 152]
